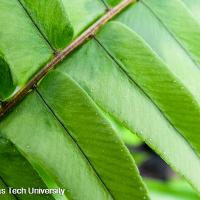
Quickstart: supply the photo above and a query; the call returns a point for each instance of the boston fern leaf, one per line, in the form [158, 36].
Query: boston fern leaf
[134, 62]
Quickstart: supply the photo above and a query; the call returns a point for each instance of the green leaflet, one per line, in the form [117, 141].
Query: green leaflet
[155, 78]
[17, 172]
[52, 20]
[87, 157]
[63, 20]
[183, 67]
[44, 142]
[33, 30]
[94, 135]
[143, 71]
[180, 23]
[21, 46]
[110, 88]
[138, 17]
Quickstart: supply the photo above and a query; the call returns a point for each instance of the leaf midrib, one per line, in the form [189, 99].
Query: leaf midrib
[51, 111]
[36, 26]
[89, 33]
[120, 67]
[172, 34]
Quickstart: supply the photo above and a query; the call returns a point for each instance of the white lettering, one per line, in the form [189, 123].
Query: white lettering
[16, 190]
[2, 191]
[46, 191]
[33, 191]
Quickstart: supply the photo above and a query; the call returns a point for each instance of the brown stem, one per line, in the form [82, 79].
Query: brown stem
[61, 55]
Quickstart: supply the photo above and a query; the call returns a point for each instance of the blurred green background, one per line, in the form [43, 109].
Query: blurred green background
[162, 182]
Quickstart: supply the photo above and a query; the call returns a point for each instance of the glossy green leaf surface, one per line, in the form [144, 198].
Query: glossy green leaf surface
[79, 141]
[139, 73]
[33, 31]
[57, 30]
[59, 20]
[179, 21]
[183, 66]
[138, 17]
[21, 47]
[155, 79]
[48, 146]
[17, 171]
[111, 88]
[96, 137]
